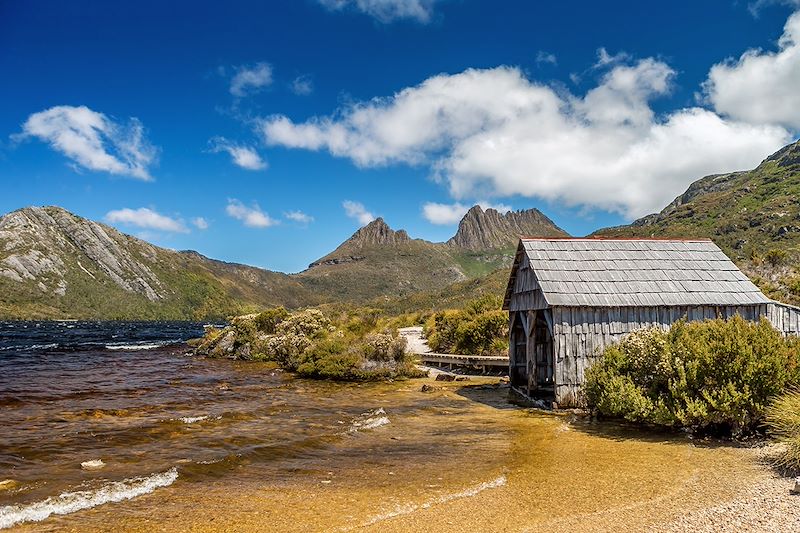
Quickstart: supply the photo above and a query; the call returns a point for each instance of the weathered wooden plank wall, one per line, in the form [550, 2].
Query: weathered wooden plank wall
[527, 294]
[784, 318]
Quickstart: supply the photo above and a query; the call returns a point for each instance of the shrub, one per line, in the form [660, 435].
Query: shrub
[717, 375]
[308, 343]
[776, 257]
[267, 321]
[480, 328]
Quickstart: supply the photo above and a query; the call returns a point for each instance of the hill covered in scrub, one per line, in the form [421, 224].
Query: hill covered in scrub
[754, 216]
[54, 264]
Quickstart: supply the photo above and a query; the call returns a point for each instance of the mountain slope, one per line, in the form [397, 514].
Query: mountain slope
[754, 216]
[56, 264]
[380, 262]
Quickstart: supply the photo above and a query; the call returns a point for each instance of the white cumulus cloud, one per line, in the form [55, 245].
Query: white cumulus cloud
[448, 214]
[495, 133]
[387, 10]
[250, 79]
[299, 217]
[358, 212]
[146, 218]
[92, 140]
[761, 86]
[252, 216]
[242, 156]
[200, 223]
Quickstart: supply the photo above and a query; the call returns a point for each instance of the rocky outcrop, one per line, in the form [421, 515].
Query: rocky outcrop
[377, 232]
[42, 244]
[788, 156]
[490, 229]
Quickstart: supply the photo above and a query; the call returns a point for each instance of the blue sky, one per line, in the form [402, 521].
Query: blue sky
[267, 132]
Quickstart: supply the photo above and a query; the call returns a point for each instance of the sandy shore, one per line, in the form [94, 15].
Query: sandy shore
[763, 505]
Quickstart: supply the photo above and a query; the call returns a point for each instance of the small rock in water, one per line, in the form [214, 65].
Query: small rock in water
[796, 488]
[8, 484]
[94, 464]
[429, 388]
[445, 377]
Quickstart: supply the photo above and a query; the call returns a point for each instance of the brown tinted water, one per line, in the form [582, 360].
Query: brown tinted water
[192, 444]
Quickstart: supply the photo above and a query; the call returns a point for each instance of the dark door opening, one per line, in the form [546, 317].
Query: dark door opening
[543, 352]
[519, 353]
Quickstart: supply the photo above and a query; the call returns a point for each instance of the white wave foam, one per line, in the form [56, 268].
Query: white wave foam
[193, 419]
[370, 420]
[43, 346]
[70, 502]
[134, 347]
[409, 508]
[29, 347]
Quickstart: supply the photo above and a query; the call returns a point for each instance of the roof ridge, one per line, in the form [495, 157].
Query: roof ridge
[656, 239]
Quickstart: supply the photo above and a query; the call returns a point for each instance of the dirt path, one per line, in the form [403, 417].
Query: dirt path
[416, 342]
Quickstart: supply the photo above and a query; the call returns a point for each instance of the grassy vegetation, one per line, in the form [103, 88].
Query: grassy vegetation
[714, 376]
[480, 328]
[783, 422]
[354, 347]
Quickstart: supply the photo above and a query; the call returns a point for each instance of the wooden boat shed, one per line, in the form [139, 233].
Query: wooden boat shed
[570, 298]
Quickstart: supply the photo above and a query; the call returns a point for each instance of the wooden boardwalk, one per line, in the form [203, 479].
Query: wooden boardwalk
[416, 344]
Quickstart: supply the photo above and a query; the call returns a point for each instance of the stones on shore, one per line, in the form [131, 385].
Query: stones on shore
[796, 489]
[451, 377]
[94, 464]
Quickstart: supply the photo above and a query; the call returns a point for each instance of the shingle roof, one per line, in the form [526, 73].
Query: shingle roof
[635, 272]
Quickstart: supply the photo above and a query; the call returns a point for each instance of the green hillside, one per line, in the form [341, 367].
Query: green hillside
[754, 216]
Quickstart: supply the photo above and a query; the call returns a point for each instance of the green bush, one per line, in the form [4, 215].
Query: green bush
[308, 343]
[267, 321]
[776, 257]
[717, 375]
[481, 328]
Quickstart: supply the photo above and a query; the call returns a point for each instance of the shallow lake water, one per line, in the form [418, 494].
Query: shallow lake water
[195, 444]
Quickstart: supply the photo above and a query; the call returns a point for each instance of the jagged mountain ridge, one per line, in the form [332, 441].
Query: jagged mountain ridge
[379, 261]
[490, 229]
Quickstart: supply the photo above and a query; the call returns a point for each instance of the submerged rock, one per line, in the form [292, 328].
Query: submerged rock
[8, 484]
[94, 464]
[224, 346]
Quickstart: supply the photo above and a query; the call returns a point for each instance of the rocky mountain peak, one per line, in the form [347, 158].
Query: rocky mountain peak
[377, 232]
[490, 229]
